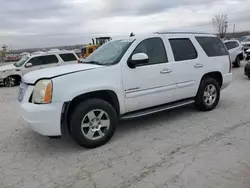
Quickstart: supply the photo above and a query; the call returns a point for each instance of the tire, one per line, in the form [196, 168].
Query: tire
[10, 81]
[88, 114]
[201, 102]
[237, 62]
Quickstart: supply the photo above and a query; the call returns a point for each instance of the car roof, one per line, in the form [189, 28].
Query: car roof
[169, 34]
[52, 53]
[232, 40]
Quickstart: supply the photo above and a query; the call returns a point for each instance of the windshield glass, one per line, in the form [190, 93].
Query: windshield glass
[110, 53]
[21, 61]
[246, 39]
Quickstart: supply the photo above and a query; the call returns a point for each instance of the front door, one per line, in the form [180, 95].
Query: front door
[36, 62]
[148, 84]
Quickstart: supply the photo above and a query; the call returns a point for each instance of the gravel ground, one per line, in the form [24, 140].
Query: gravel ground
[176, 149]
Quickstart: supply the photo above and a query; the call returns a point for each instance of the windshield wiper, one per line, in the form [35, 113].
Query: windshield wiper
[93, 62]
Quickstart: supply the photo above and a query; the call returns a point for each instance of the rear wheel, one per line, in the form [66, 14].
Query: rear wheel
[237, 62]
[93, 123]
[208, 94]
[10, 81]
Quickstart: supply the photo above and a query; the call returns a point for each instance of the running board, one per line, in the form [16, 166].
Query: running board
[153, 110]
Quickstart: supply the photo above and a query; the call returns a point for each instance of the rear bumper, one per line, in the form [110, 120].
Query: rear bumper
[227, 79]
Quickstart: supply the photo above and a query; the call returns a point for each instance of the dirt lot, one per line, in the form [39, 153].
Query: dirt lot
[175, 149]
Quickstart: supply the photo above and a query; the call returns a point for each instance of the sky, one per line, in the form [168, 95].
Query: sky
[48, 23]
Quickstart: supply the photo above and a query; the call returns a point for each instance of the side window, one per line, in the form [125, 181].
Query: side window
[68, 57]
[213, 46]
[36, 61]
[50, 59]
[236, 44]
[230, 45]
[91, 50]
[155, 50]
[183, 49]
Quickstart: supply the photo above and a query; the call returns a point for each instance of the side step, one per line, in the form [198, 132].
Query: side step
[153, 110]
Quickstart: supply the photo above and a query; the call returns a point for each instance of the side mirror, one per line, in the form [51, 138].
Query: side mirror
[137, 59]
[28, 65]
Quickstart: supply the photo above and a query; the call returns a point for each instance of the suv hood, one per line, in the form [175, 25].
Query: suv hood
[7, 67]
[32, 77]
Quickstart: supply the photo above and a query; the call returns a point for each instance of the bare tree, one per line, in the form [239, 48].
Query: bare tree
[220, 24]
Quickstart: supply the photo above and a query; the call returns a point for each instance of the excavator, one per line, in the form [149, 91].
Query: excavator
[89, 49]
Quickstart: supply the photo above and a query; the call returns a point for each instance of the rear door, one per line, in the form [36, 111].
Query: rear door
[68, 58]
[50, 61]
[187, 68]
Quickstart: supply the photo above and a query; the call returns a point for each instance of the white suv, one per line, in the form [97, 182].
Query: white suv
[125, 79]
[11, 74]
[236, 51]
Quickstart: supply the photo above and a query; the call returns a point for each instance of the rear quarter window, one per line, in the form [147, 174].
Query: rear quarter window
[230, 45]
[212, 46]
[68, 57]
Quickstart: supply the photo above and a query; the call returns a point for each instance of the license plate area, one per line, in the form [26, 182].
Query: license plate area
[22, 90]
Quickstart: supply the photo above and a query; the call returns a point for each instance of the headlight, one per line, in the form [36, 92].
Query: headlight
[42, 93]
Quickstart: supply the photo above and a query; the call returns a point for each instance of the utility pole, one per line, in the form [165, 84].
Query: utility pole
[226, 25]
[233, 30]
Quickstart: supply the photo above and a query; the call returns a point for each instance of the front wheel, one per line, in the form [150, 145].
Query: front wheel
[208, 94]
[93, 123]
[10, 81]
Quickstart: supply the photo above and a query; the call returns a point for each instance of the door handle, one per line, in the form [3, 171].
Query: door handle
[165, 71]
[198, 65]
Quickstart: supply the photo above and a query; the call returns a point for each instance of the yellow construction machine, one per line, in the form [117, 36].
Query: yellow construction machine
[89, 49]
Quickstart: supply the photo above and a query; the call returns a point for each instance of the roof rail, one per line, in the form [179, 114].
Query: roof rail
[180, 32]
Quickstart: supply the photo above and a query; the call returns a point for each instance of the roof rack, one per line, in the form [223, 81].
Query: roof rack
[180, 32]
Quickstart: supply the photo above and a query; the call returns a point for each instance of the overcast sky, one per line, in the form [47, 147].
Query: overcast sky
[33, 23]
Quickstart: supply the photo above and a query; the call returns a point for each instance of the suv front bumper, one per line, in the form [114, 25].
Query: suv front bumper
[43, 119]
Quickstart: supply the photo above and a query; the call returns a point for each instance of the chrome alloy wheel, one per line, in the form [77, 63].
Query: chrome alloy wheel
[210, 95]
[95, 124]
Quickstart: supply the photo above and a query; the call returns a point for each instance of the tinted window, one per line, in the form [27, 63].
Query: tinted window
[183, 49]
[68, 57]
[231, 45]
[50, 59]
[155, 50]
[213, 46]
[36, 61]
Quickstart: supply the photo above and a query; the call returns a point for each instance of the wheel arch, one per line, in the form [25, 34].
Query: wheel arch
[107, 95]
[215, 75]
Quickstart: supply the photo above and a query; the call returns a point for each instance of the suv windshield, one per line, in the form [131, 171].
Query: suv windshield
[21, 61]
[110, 53]
[246, 39]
